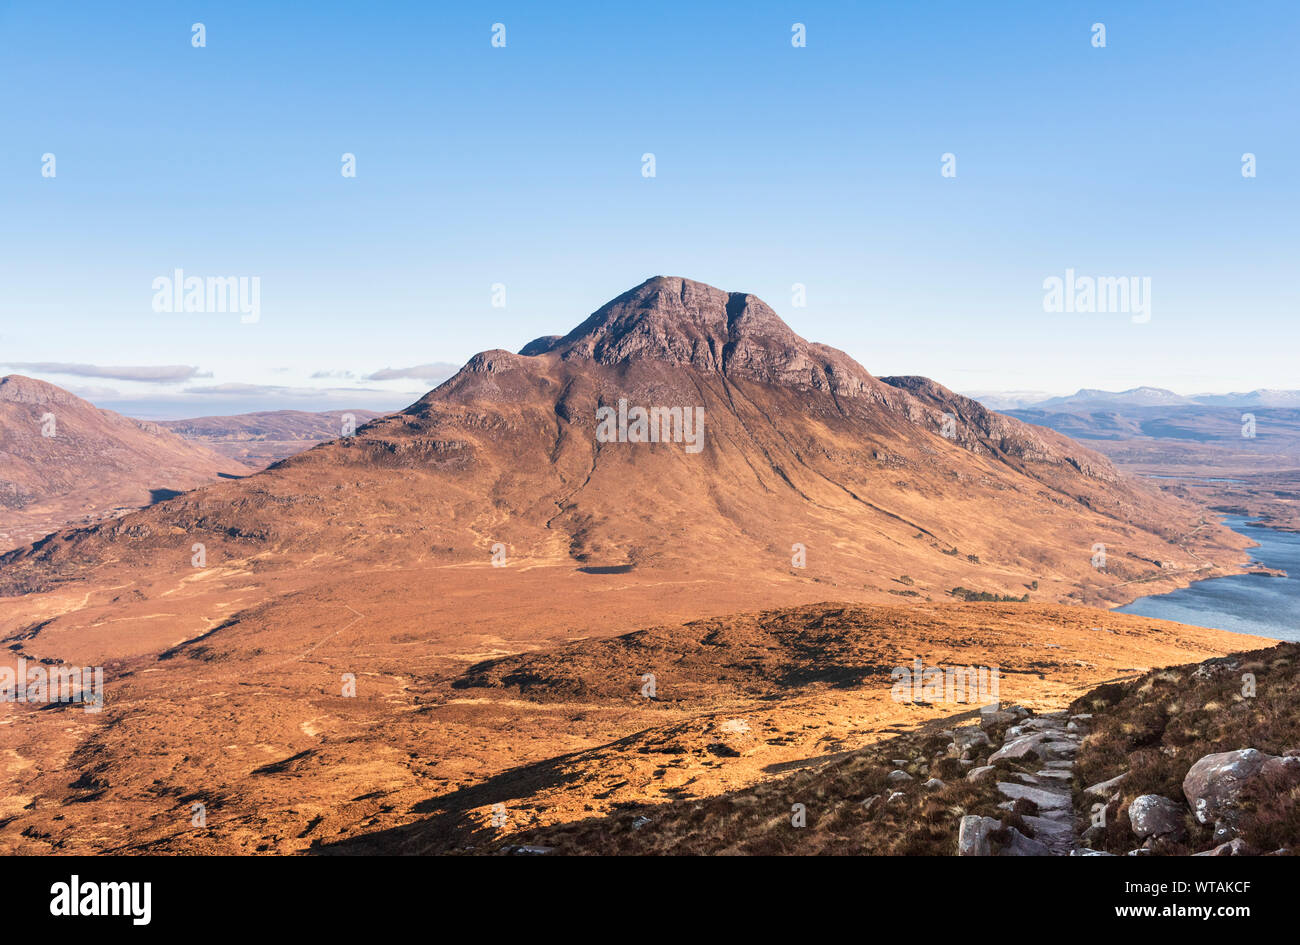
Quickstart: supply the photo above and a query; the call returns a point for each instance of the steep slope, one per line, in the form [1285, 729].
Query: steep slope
[64, 461]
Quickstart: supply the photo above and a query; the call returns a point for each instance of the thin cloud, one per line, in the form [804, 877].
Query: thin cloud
[434, 373]
[263, 390]
[160, 374]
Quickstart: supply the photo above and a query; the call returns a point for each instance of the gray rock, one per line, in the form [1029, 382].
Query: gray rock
[1045, 799]
[1288, 766]
[1154, 816]
[1214, 784]
[995, 718]
[871, 806]
[1027, 746]
[934, 784]
[973, 835]
[970, 736]
[898, 776]
[1058, 834]
[1236, 847]
[1021, 845]
[974, 838]
[1053, 774]
[1105, 788]
[1084, 851]
[982, 773]
[1216, 668]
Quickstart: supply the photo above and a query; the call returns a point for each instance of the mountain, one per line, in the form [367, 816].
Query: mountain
[64, 461]
[1255, 398]
[259, 439]
[1007, 399]
[1091, 399]
[801, 447]
[1135, 397]
[414, 625]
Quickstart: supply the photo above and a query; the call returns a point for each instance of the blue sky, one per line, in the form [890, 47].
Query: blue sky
[521, 165]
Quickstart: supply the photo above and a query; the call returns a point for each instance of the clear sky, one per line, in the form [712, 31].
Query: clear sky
[522, 166]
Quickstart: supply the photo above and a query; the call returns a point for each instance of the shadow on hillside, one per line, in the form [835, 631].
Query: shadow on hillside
[450, 825]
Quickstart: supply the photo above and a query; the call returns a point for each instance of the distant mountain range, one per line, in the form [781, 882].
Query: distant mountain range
[259, 439]
[1090, 398]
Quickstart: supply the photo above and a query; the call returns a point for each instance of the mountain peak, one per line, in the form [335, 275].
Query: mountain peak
[19, 389]
[678, 320]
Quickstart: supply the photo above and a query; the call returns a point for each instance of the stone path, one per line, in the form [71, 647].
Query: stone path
[1053, 741]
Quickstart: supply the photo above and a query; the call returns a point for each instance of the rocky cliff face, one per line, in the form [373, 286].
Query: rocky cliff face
[730, 333]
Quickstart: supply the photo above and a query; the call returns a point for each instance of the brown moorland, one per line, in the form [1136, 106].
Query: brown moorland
[372, 557]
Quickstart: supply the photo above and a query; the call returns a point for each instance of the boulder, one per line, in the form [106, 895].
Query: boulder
[994, 718]
[898, 776]
[973, 835]
[1020, 845]
[872, 805]
[1154, 816]
[1027, 746]
[1214, 784]
[982, 773]
[975, 838]
[934, 784]
[972, 736]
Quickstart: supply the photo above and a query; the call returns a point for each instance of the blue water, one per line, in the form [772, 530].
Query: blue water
[1242, 603]
[1195, 478]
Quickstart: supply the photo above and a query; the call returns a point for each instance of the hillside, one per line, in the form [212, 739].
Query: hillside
[66, 462]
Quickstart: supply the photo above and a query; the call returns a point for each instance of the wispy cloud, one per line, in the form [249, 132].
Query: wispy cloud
[434, 373]
[237, 389]
[157, 374]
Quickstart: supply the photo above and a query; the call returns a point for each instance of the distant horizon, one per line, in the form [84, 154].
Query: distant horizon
[164, 407]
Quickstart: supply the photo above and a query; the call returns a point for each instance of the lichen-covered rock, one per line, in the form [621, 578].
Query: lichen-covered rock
[1154, 816]
[1214, 784]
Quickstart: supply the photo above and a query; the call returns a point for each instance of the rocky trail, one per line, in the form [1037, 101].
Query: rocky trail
[1051, 741]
